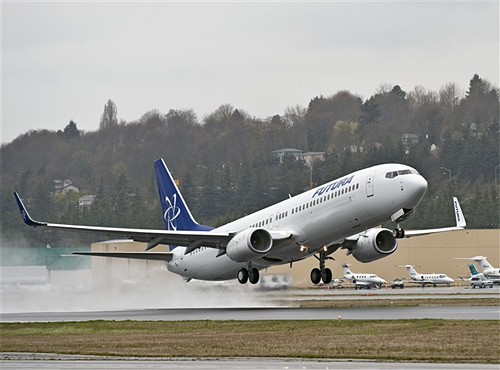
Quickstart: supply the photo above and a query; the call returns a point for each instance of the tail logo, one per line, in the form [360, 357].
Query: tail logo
[457, 212]
[171, 212]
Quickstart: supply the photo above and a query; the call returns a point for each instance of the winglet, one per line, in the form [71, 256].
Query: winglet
[459, 216]
[24, 213]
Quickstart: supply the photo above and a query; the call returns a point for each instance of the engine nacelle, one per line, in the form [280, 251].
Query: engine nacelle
[249, 245]
[375, 244]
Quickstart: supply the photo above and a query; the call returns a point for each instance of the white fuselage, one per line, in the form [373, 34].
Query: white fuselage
[489, 271]
[324, 215]
[365, 280]
[431, 279]
[493, 275]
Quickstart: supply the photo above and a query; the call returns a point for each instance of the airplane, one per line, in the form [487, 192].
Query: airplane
[427, 279]
[473, 272]
[342, 213]
[489, 271]
[367, 281]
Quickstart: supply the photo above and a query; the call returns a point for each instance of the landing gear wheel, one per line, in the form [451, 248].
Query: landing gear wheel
[398, 233]
[326, 276]
[243, 276]
[315, 276]
[253, 276]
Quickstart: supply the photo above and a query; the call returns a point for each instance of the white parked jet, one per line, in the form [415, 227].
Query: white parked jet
[363, 280]
[489, 271]
[428, 279]
[339, 214]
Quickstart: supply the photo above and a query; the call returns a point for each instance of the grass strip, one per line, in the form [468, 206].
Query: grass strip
[388, 302]
[400, 340]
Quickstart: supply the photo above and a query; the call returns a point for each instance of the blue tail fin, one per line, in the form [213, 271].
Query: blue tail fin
[176, 214]
[473, 270]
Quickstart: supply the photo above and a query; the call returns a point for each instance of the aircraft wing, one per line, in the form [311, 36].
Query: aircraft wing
[459, 218]
[156, 256]
[150, 236]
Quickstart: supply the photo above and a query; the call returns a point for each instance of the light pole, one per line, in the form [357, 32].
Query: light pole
[449, 172]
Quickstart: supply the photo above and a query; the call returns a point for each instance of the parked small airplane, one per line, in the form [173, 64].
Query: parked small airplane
[363, 280]
[427, 279]
[489, 271]
[473, 270]
[339, 214]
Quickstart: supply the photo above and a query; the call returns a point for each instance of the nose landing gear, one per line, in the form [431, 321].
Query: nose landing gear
[398, 232]
[321, 274]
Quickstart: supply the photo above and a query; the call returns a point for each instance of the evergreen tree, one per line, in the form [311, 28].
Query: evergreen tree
[71, 132]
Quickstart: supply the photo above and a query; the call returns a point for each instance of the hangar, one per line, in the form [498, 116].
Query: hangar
[430, 254]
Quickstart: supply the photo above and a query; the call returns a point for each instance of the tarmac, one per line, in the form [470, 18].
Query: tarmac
[12, 361]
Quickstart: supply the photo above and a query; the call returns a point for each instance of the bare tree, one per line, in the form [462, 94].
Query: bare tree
[109, 116]
[450, 95]
[294, 115]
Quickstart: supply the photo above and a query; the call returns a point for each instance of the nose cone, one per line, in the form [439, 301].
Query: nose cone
[417, 187]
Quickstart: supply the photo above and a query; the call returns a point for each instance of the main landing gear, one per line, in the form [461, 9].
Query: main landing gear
[250, 274]
[321, 274]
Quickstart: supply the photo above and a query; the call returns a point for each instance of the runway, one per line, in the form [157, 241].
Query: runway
[237, 304]
[54, 362]
[266, 313]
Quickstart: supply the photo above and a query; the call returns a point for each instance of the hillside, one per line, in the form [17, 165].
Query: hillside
[226, 166]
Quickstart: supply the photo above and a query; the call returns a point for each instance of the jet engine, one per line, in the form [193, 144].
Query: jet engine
[249, 245]
[374, 244]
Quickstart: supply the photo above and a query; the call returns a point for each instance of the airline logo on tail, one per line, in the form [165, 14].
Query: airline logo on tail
[171, 213]
[459, 216]
[473, 270]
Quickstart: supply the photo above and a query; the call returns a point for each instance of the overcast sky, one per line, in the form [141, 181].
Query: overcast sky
[63, 61]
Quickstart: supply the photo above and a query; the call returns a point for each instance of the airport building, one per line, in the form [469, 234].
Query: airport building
[435, 253]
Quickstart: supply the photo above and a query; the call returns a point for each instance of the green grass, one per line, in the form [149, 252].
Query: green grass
[400, 302]
[402, 340]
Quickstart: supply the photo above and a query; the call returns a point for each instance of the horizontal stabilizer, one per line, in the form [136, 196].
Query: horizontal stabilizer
[156, 256]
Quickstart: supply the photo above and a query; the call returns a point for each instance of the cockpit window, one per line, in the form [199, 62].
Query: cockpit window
[393, 174]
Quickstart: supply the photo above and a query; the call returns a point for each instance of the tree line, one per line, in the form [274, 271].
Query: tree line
[226, 167]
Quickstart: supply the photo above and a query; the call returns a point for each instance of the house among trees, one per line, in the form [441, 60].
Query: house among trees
[409, 140]
[308, 157]
[280, 153]
[64, 187]
[86, 201]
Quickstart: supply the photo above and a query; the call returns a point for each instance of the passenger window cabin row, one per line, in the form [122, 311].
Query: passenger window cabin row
[325, 198]
[307, 205]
